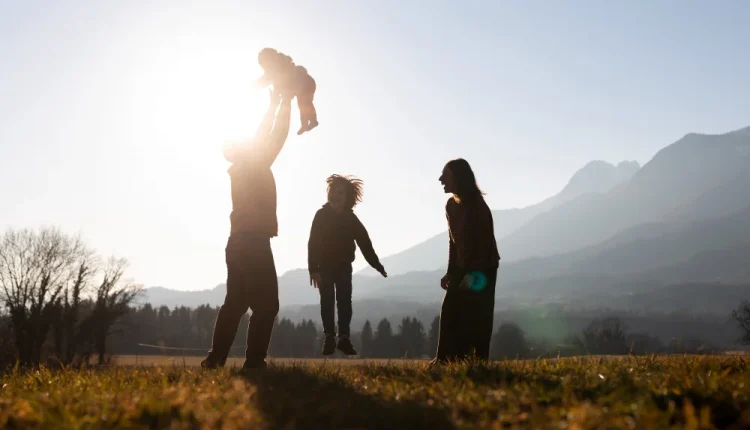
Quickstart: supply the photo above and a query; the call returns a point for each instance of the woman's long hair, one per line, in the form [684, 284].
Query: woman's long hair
[466, 183]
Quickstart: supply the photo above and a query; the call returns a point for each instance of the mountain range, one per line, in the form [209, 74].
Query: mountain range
[595, 177]
[683, 218]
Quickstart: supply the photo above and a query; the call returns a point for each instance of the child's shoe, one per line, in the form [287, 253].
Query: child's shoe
[345, 346]
[329, 346]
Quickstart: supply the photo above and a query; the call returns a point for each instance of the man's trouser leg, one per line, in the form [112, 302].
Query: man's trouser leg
[251, 282]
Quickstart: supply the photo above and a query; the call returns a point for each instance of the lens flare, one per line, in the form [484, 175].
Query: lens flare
[479, 281]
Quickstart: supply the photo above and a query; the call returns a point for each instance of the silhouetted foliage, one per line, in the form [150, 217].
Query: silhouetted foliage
[294, 340]
[602, 336]
[147, 330]
[643, 343]
[366, 340]
[434, 335]
[412, 338]
[742, 317]
[7, 347]
[508, 341]
[691, 345]
[384, 344]
[46, 285]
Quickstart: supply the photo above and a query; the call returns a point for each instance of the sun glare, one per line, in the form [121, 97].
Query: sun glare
[194, 101]
[186, 101]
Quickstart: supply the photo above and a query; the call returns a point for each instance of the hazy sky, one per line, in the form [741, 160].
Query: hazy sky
[113, 113]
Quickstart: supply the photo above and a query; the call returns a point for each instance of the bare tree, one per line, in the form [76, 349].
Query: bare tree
[35, 270]
[742, 316]
[71, 307]
[111, 302]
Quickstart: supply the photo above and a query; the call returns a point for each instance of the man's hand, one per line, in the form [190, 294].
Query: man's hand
[445, 282]
[286, 95]
[315, 279]
[263, 81]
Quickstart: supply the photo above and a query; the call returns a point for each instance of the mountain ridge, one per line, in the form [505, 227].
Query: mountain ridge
[681, 217]
[594, 177]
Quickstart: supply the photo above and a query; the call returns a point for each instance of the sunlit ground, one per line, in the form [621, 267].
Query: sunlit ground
[634, 392]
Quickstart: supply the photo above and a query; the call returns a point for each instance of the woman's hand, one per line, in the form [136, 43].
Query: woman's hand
[445, 282]
[315, 279]
[467, 281]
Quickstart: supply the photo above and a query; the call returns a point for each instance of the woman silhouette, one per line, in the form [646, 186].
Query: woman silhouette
[466, 316]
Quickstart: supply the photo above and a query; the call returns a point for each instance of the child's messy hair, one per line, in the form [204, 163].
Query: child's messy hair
[274, 56]
[351, 184]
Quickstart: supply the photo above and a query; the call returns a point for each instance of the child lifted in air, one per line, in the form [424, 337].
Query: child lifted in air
[281, 71]
[330, 253]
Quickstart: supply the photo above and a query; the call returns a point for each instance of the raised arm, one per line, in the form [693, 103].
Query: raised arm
[270, 146]
[266, 125]
[251, 150]
[365, 245]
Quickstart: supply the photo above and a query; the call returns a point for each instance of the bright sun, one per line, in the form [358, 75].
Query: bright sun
[185, 103]
[193, 101]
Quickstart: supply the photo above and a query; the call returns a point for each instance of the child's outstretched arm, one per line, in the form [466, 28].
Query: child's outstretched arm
[365, 245]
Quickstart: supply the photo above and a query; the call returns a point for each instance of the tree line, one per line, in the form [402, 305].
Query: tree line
[603, 336]
[191, 330]
[147, 330]
[62, 302]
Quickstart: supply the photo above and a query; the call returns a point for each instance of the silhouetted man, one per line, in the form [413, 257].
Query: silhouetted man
[251, 272]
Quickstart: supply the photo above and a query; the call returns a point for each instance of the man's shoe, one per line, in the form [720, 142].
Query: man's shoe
[329, 346]
[209, 363]
[345, 346]
[254, 365]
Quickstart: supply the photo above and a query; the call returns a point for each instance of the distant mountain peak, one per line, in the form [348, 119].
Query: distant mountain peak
[628, 165]
[600, 176]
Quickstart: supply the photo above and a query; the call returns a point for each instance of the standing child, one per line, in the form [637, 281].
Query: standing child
[335, 229]
[279, 69]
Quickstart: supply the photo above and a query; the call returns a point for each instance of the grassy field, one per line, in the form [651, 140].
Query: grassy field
[631, 392]
[171, 360]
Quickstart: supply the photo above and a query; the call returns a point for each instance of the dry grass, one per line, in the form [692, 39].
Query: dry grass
[236, 362]
[631, 392]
